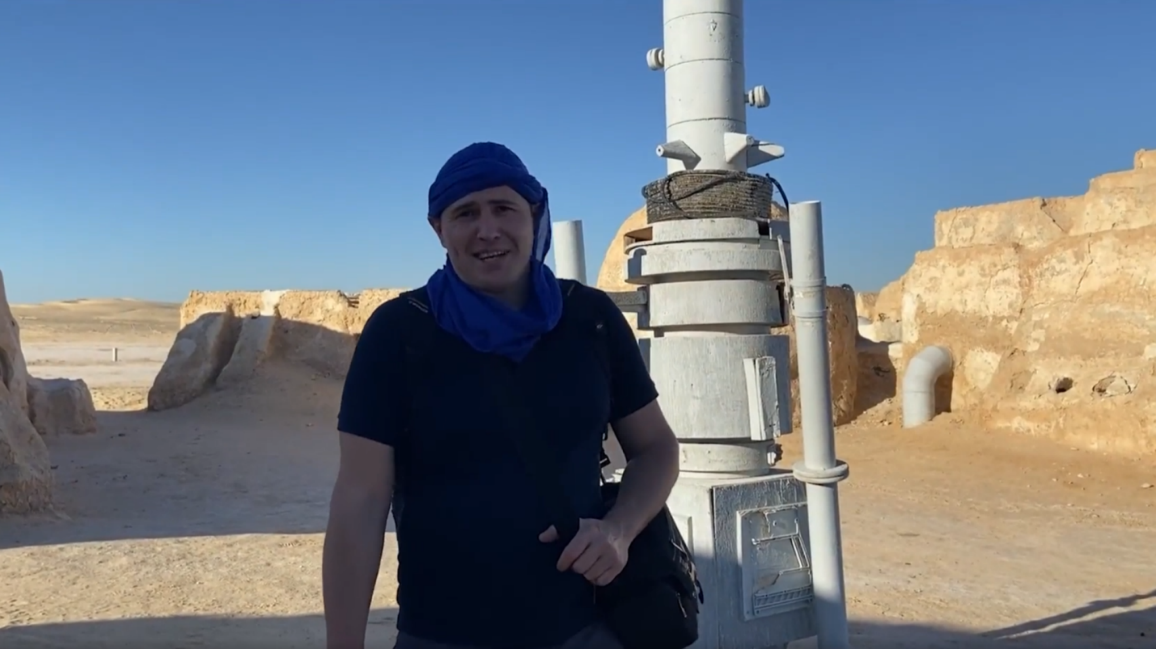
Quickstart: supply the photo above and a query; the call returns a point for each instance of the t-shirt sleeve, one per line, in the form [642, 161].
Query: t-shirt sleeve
[631, 385]
[373, 402]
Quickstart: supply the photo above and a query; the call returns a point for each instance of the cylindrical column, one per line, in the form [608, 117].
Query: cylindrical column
[702, 48]
[819, 468]
[713, 278]
[569, 251]
[712, 303]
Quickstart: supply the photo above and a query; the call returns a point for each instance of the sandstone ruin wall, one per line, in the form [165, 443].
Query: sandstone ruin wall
[1049, 308]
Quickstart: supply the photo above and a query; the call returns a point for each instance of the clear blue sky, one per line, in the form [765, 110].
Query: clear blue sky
[150, 147]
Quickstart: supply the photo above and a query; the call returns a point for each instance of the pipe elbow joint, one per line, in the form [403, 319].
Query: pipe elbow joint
[923, 370]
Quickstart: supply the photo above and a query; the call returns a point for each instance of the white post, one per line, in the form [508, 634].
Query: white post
[569, 251]
[820, 469]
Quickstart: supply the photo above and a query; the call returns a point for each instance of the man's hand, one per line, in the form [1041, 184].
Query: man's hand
[598, 552]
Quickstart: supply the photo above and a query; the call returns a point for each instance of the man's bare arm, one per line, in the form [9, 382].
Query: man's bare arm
[651, 451]
[358, 511]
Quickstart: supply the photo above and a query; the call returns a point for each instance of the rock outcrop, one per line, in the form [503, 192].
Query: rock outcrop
[881, 313]
[196, 358]
[61, 407]
[26, 480]
[226, 336]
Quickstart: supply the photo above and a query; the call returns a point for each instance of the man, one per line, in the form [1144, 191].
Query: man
[480, 564]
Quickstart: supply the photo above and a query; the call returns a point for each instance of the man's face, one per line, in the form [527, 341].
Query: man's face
[489, 237]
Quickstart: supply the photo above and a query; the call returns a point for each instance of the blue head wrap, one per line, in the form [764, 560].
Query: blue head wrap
[486, 324]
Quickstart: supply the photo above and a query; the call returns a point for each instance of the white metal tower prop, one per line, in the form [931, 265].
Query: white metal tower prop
[714, 283]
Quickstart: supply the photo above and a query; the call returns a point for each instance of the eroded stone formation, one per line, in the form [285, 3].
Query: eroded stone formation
[225, 336]
[1048, 308]
[29, 409]
[61, 407]
[25, 473]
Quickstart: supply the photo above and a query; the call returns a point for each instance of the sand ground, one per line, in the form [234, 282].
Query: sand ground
[202, 526]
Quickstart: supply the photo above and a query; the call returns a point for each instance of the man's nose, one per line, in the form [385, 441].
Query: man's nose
[488, 229]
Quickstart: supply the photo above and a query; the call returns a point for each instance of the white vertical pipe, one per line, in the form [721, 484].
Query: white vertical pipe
[820, 470]
[702, 50]
[569, 250]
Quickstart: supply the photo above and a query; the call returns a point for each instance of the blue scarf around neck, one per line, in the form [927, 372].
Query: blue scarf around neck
[484, 323]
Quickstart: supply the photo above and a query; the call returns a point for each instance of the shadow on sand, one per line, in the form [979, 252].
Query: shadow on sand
[256, 458]
[193, 631]
[165, 487]
[1133, 630]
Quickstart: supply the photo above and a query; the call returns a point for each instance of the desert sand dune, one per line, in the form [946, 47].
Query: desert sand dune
[101, 320]
[77, 338]
[203, 525]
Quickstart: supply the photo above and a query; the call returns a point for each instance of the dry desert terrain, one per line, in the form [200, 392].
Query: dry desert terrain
[202, 525]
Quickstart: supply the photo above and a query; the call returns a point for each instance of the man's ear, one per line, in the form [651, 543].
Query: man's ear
[436, 224]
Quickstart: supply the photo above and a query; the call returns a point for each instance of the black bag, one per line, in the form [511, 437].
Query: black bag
[652, 604]
[654, 601]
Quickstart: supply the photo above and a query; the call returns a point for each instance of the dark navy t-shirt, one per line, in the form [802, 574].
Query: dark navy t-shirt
[471, 568]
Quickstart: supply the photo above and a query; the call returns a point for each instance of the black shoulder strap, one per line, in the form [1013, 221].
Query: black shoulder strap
[418, 330]
[419, 300]
[586, 316]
